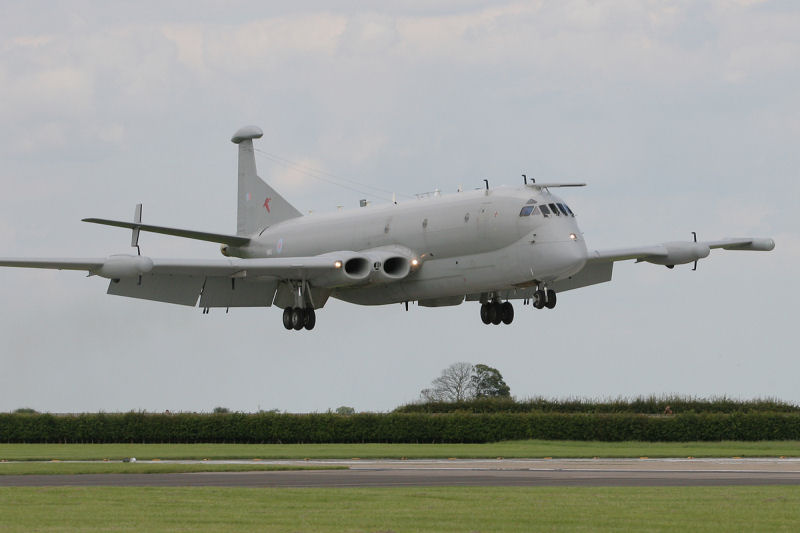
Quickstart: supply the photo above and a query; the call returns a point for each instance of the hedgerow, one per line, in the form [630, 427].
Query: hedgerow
[457, 427]
[653, 405]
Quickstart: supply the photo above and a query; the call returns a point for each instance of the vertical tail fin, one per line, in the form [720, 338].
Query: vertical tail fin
[259, 205]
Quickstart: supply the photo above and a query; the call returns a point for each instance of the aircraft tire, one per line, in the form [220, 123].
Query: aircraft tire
[496, 313]
[298, 318]
[539, 299]
[491, 312]
[507, 313]
[485, 314]
[551, 299]
[311, 319]
[287, 318]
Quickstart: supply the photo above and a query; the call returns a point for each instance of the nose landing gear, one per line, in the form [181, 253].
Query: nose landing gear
[495, 312]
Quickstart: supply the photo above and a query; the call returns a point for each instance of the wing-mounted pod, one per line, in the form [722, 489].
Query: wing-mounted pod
[391, 263]
[679, 253]
[124, 266]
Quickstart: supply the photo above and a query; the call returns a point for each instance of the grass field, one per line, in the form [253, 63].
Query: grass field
[479, 509]
[56, 468]
[507, 449]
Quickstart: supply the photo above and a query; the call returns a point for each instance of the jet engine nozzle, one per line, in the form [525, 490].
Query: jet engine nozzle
[389, 264]
[352, 268]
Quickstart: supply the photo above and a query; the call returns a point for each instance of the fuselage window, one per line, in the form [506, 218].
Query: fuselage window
[554, 209]
[526, 211]
[563, 209]
[544, 210]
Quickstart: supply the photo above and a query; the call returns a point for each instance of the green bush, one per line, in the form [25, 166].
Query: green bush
[652, 405]
[454, 427]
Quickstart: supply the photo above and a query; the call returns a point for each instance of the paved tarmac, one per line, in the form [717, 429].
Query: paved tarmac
[483, 473]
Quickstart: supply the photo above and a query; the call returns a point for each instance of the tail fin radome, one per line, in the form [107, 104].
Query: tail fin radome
[259, 205]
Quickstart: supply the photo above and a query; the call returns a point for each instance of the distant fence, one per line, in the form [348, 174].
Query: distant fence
[393, 427]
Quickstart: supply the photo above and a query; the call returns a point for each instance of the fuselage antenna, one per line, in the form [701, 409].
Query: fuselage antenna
[487, 184]
[525, 177]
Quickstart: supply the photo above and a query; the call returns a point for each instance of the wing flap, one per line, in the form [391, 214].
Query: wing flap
[233, 292]
[181, 290]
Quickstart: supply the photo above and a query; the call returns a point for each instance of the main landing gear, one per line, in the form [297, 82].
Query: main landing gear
[496, 312]
[544, 298]
[298, 318]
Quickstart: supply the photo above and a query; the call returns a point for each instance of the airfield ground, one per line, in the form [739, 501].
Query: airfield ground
[507, 449]
[395, 500]
[496, 509]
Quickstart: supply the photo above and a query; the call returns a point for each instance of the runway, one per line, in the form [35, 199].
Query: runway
[476, 473]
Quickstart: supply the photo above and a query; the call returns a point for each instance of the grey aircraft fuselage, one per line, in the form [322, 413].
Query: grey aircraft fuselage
[466, 242]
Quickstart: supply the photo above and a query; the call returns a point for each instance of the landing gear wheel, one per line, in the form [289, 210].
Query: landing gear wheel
[496, 313]
[491, 313]
[287, 318]
[551, 299]
[485, 318]
[539, 299]
[507, 313]
[311, 319]
[298, 318]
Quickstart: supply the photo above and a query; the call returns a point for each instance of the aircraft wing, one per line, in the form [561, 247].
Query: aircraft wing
[232, 240]
[677, 253]
[54, 263]
[120, 266]
[218, 282]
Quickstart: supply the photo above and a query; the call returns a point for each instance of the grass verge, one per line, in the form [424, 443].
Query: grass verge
[508, 449]
[442, 509]
[50, 468]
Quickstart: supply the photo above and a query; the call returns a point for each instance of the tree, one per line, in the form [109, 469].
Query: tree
[345, 410]
[221, 410]
[454, 385]
[488, 382]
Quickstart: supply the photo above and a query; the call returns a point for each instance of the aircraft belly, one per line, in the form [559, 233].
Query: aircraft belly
[445, 278]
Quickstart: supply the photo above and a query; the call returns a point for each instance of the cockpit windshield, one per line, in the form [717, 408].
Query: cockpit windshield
[546, 210]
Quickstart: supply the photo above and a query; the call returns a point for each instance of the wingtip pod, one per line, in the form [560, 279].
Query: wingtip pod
[246, 133]
[756, 245]
[752, 244]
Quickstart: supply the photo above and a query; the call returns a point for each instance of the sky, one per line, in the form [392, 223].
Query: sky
[681, 117]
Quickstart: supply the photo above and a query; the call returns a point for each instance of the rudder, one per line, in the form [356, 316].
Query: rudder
[259, 205]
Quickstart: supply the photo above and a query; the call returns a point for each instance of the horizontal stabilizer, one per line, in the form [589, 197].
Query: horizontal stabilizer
[548, 185]
[232, 240]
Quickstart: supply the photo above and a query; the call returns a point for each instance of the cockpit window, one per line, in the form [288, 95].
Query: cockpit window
[554, 209]
[563, 209]
[545, 211]
[570, 210]
[531, 201]
[526, 211]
